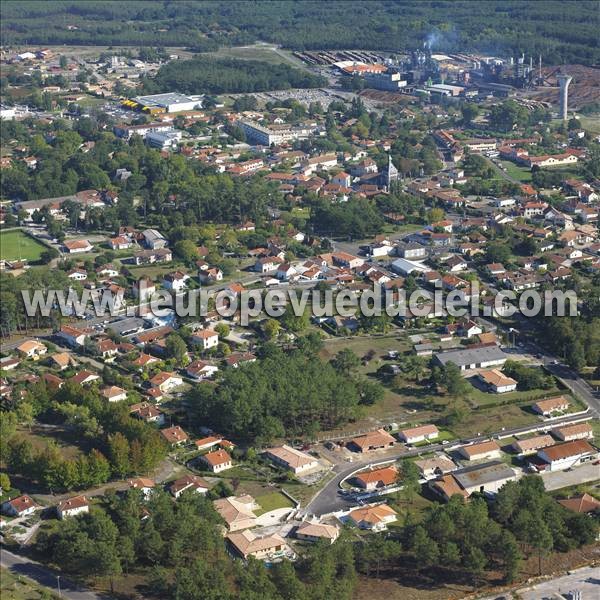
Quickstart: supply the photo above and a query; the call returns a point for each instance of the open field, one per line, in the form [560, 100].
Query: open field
[262, 52]
[16, 245]
[590, 123]
[521, 173]
[17, 587]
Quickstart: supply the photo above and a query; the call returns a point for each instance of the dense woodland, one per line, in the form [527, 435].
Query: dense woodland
[204, 75]
[551, 28]
[285, 393]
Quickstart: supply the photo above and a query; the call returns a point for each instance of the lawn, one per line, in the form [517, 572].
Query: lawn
[272, 501]
[18, 587]
[521, 173]
[16, 245]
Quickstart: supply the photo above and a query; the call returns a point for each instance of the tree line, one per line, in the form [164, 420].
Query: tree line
[548, 27]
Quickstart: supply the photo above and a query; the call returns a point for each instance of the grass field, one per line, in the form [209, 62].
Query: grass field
[262, 52]
[16, 245]
[521, 173]
[272, 501]
[591, 123]
[17, 587]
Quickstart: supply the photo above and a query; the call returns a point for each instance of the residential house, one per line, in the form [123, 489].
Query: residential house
[144, 485]
[533, 444]
[176, 281]
[246, 544]
[421, 433]
[114, 393]
[77, 246]
[32, 349]
[436, 466]
[373, 440]
[237, 511]
[217, 461]
[373, 518]
[205, 338]
[578, 431]
[551, 406]
[496, 381]
[174, 435]
[481, 450]
[72, 336]
[166, 381]
[208, 443]
[583, 503]
[200, 370]
[147, 412]
[314, 532]
[291, 459]
[85, 377]
[72, 507]
[191, 483]
[376, 478]
[20, 506]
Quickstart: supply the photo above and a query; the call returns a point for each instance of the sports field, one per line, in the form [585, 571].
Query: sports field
[16, 245]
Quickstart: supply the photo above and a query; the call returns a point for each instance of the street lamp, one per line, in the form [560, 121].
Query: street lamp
[58, 584]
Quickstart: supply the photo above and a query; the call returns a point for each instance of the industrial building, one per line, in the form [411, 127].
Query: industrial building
[389, 81]
[274, 134]
[158, 103]
[163, 140]
[475, 358]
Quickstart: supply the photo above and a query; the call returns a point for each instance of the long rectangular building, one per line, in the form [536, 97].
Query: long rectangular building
[274, 134]
[473, 358]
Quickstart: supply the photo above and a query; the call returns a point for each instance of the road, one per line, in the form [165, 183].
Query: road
[20, 565]
[327, 500]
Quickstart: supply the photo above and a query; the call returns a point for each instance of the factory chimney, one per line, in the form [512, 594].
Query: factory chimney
[563, 82]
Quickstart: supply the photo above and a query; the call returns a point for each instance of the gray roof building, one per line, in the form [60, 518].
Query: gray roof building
[489, 477]
[473, 358]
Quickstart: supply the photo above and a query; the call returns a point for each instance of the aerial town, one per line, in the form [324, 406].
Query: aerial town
[303, 454]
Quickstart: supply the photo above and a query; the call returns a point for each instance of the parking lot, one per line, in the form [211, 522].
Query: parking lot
[560, 479]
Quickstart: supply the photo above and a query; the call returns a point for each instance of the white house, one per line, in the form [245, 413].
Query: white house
[217, 461]
[72, 507]
[176, 281]
[373, 518]
[414, 435]
[291, 459]
[165, 381]
[483, 450]
[32, 349]
[497, 382]
[114, 393]
[19, 506]
[205, 338]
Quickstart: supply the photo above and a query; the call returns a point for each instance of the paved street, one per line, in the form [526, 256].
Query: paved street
[328, 500]
[20, 565]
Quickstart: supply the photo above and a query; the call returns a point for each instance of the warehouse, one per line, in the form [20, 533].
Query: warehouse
[170, 103]
[475, 358]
